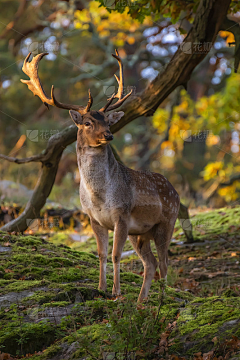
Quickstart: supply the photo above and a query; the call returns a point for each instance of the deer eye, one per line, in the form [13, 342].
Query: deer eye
[87, 123]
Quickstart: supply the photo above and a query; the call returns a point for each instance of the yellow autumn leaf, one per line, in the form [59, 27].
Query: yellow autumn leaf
[166, 144]
[130, 40]
[108, 24]
[228, 35]
[212, 140]
[228, 193]
[211, 170]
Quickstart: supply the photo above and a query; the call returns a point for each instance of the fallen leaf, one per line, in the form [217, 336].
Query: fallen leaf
[197, 355]
[191, 258]
[208, 356]
[218, 273]
[214, 339]
[7, 244]
[8, 271]
[196, 270]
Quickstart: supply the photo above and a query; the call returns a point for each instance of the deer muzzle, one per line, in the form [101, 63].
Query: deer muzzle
[108, 137]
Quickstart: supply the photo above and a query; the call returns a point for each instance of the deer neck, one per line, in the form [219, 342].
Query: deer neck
[96, 166]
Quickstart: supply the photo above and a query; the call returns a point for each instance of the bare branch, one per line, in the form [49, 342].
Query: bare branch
[34, 158]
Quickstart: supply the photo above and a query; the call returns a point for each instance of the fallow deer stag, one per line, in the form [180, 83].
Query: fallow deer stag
[141, 204]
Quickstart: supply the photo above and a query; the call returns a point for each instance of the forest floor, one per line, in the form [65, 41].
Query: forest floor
[50, 307]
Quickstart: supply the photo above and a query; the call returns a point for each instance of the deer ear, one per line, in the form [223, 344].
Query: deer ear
[76, 117]
[115, 117]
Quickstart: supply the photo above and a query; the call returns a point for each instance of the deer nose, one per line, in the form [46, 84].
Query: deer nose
[108, 136]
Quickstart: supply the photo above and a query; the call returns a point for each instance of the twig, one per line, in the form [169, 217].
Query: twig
[35, 158]
[12, 23]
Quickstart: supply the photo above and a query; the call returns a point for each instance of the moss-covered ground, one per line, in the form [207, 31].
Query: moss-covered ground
[50, 307]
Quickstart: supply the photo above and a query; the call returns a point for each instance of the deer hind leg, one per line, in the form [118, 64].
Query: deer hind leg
[143, 249]
[102, 243]
[162, 238]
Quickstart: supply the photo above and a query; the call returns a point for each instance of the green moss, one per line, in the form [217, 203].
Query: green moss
[213, 222]
[58, 276]
[56, 304]
[87, 256]
[229, 293]
[26, 338]
[203, 319]
[22, 285]
[130, 277]
[51, 351]
[40, 297]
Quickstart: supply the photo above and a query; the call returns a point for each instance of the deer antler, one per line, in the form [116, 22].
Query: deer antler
[120, 92]
[35, 85]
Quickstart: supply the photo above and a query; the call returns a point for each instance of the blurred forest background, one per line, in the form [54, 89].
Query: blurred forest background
[193, 137]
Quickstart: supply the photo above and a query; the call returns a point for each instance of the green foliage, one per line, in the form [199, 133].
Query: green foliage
[139, 9]
[142, 8]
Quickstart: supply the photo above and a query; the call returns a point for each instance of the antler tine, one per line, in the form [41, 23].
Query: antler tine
[90, 101]
[35, 85]
[103, 109]
[120, 93]
[120, 80]
[119, 102]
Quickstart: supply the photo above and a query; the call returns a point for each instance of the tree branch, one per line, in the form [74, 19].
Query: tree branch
[36, 158]
[59, 140]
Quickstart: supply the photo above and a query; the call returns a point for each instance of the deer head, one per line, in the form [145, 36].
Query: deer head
[94, 126]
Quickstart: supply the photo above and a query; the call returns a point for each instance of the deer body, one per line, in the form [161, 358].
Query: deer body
[140, 204]
[108, 188]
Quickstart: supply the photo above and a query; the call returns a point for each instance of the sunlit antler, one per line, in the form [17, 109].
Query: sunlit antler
[35, 85]
[120, 92]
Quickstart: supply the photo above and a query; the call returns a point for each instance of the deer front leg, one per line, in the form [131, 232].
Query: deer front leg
[101, 234]
[120, 237]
